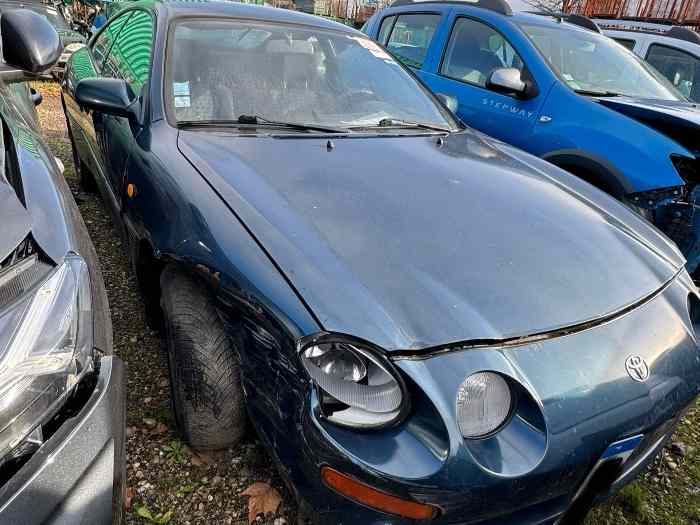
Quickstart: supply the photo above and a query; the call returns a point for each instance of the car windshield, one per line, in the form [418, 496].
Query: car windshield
[222, 70]
[595, 64]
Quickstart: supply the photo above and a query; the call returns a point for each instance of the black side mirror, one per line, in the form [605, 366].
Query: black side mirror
[110, 96]
[449, 101]
[508, 80]
[29, 41]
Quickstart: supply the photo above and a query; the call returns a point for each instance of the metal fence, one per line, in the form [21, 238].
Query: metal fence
[677, 12]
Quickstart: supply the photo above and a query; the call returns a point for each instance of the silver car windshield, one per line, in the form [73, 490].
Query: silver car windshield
[595, 64]
[220, 70]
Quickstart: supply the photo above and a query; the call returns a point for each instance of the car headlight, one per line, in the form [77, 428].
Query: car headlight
[46, 342]
[357, 387]
[484, 404]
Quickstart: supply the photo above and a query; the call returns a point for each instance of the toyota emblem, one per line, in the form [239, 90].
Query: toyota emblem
[637, 368]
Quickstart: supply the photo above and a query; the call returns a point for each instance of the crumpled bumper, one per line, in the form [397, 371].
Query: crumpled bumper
[77, 476]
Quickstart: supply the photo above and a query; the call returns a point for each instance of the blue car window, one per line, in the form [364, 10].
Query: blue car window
[680, 68]
[411, 36]
[103, 43]
[130, 57]
[384, 29]
[475, 50]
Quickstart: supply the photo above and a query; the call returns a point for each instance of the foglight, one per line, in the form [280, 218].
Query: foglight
[45, 349]
[484, 404]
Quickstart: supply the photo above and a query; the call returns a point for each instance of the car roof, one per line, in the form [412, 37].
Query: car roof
[231, 9]
[518, 17]
[654, 36]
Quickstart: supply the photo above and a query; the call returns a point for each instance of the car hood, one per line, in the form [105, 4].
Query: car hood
[680, 121]
[413, 242]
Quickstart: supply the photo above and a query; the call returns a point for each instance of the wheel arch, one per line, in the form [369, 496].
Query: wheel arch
[594, 170]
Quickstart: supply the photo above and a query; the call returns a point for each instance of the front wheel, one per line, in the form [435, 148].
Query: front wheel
[205, 376]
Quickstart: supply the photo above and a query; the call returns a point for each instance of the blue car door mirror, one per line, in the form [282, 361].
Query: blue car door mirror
[110, 96]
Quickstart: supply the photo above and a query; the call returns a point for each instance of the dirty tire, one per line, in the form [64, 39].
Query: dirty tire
[87, 181]
[205, 377]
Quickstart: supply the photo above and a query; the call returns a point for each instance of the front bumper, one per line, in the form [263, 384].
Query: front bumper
[77, 475]
[520, 475]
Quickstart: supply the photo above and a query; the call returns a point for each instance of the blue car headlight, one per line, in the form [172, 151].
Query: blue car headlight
[46, 347]
[357, 387]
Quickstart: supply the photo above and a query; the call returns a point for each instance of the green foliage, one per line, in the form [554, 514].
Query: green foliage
[175, 452]
[161, 518]
[631, 499]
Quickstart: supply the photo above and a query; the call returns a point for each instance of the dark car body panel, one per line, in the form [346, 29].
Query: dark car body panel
[293, 238]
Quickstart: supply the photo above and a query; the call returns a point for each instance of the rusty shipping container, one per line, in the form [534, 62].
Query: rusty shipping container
[682, 12]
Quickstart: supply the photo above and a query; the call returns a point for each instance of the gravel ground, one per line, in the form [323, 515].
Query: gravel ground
[173, 485]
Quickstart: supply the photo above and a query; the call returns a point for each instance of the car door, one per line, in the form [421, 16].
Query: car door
[472, 52]
[130, 60]
[84, 125]
[681, 68]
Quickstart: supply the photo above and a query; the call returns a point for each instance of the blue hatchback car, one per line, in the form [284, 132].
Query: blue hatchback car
[559, 89]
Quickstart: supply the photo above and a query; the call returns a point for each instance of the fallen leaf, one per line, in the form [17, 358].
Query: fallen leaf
[128, 497]
[263, 499]
[160, 428]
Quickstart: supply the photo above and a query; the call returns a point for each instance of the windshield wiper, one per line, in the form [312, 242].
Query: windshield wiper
[398, 123]
[256, 121]
[597, 93]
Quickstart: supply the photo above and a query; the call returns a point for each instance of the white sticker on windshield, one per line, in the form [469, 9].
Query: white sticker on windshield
[372, 47]
[181, 89]
[182, 102]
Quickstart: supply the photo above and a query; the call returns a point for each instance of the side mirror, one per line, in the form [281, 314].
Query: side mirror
[449, 101]
[29, 41]
[110, 96]
[507, 80]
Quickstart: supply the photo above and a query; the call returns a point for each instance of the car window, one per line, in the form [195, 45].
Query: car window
[475, 50]
[681, 68]
[291, 74]
[384, 29]
[626, 42]
[130, 56]
[104, 41]
[593, 64]
[411, 36]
